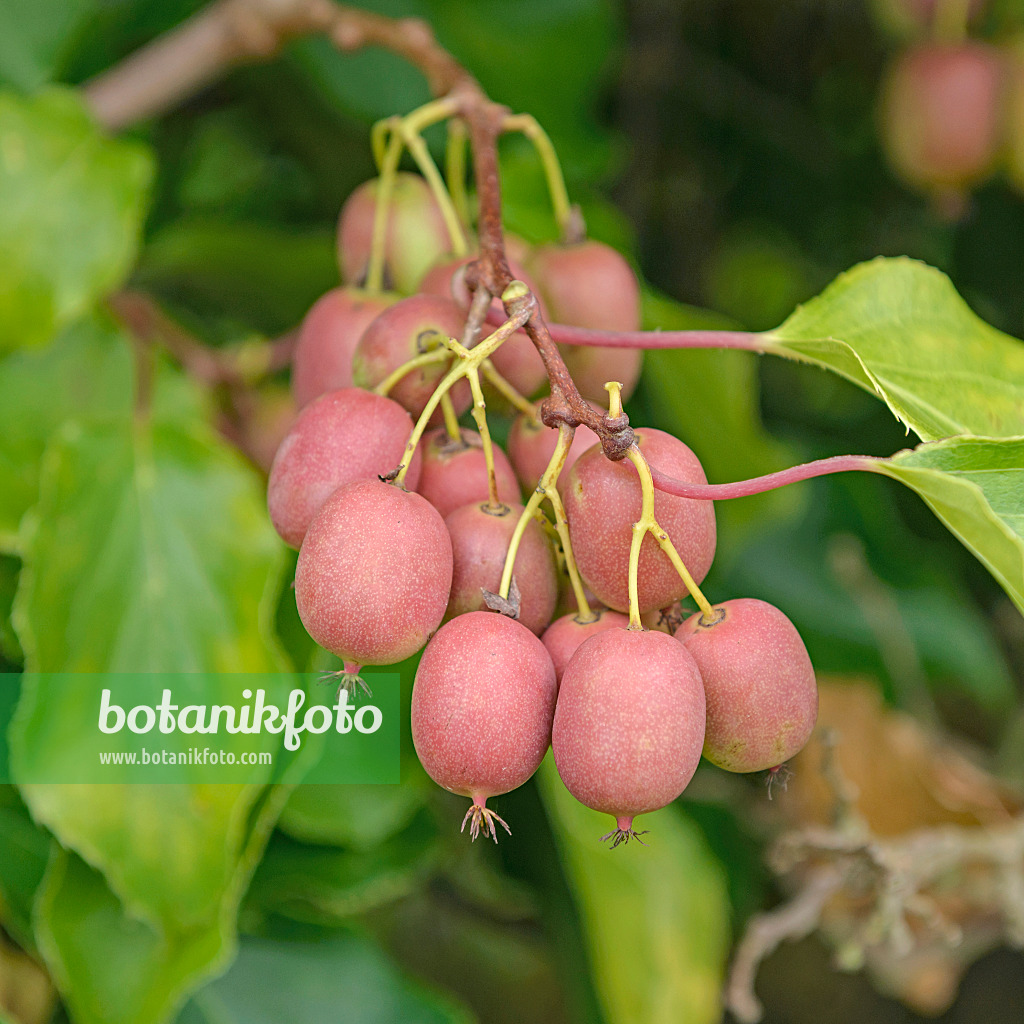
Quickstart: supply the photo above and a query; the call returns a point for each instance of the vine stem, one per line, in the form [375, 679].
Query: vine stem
[468, 359]
[381, 214]
[541, 141]
[438, 355]
[647, 523]
[547, 489]
[770, 481]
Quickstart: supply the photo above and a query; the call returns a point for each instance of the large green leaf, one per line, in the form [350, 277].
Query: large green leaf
[655, 920]
[899, 329]
[344, 979]
[150, 549]
[85, 374]
[71, 207]
[975, 485]
[115, 968]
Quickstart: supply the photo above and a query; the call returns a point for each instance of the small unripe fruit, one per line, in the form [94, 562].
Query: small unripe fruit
[373, 574]
[480, 541]
[416, 233]
[410, 328]
[603, 500]
[345, 435]
[762, 699]
[454, 473]
[589, 284]
[941, 114]
[531, 445]
[565, 634]
[482, 705]
[629, 724]
[327, 340]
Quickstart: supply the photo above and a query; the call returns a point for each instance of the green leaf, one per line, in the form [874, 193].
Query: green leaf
[85, 374]
[35, 38]
[115, 968]
[345, 978]
[71, 208]
[655, 919]
[975, 485]
[357, 816]
[326, 885]
[23, 857]
[150, 549]
[899, 329]
[10, 649]
[709, 399]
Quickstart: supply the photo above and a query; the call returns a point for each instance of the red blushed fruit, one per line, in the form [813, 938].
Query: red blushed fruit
[403, 332]
[589, 284]
[761, 693]
[941, 113]
[531, 445]
[482, 705]
[603, 500]
[565, 635]
[327, 340]
[345, 435]
[629, 724]
[517, 360]
[454, 473]
[373, 574]
[416, 233]
[480, 540]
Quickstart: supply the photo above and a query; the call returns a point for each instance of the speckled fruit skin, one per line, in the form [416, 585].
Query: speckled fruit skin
[564, 635]
[517, 360]
[373, 574]
[482, 705]
[480, 542]
[454, 475]
[531, 445]
[345, 435]
[589, 284]
[327, 339]
[398, 335]
[941, 113]
[629, 724]
[416, 235]
[761, 692]
[603, 500]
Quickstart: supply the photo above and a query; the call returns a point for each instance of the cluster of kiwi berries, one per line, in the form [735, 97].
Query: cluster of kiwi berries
[952, 107]
[386, 568]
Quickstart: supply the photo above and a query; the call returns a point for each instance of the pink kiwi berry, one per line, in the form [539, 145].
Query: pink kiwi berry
[565, 634]
[454, 473]
[603, 500]
[531, 445]
[373, 574]
[761, 692]
[629, 724]
[344, 435]
[482, 705]
[589, 284]
[942, 113]
[517, 360]
[480, 540]
[416, 233]
[402, 332]
[327, 340]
